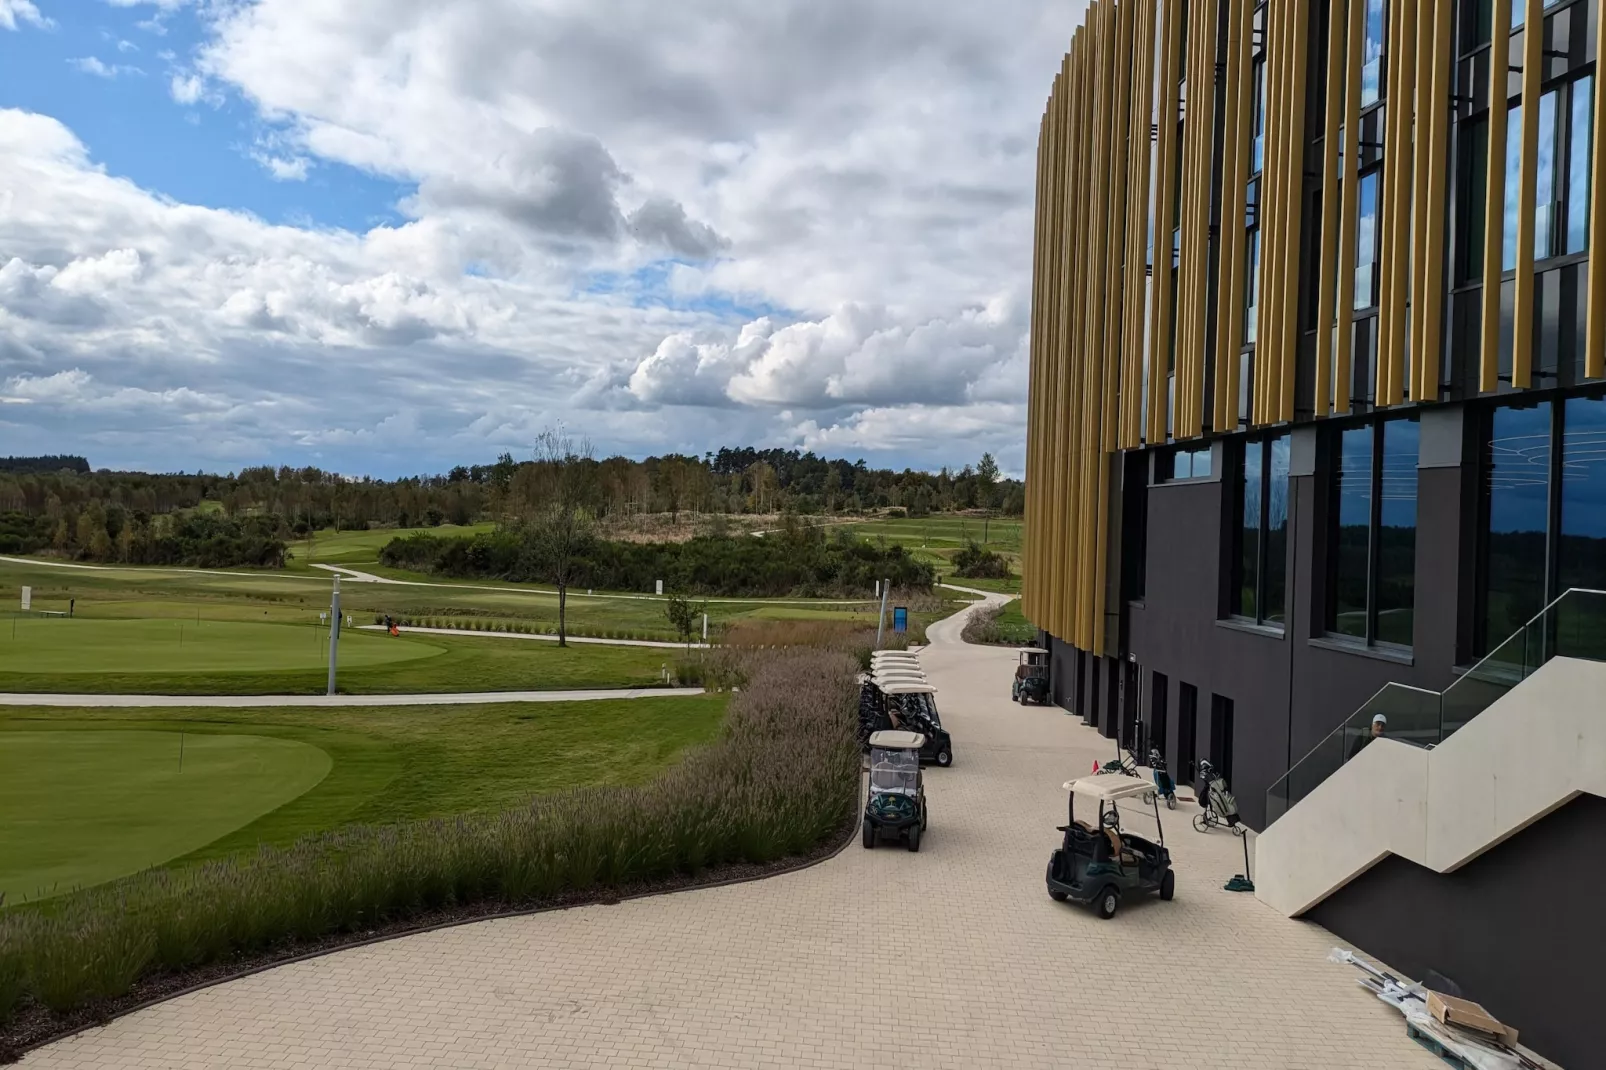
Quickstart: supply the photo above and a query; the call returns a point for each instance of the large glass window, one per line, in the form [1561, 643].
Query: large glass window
[1396, 532]
[1581, 553]
[1351, 545]
[1372, 54]
[1366, 241]
[1260, 562]
[1544, 517]
[1372, 534]
[1516, 485]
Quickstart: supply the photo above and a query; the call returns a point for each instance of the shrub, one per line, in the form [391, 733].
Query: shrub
[783, 777]
[975, 563]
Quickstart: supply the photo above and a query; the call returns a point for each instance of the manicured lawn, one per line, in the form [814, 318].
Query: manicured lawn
[388, 765]
[84, 646]
[83, 807]
[418, 665]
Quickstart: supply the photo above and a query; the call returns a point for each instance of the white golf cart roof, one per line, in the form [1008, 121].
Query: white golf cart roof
[1110, 787]
[888, 655]
[906, 687]
[897, 740]
[883, 673]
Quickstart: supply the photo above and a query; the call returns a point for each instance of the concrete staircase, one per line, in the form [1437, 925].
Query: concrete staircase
[1533, 750]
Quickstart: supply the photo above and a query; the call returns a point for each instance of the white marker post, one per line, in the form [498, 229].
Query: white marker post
[27, 599]
[660, 587]
[883, 586]
[334, 632]
[705, 627]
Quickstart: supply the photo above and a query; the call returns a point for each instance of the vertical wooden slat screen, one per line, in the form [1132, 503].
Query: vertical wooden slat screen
[1328, 264]
[1293, 210]
[1421, 151]
[1230, 270]
[1395, 182]
[1134, 298]
[1435, 162]
[1533, 70]
[1165, 168]
[1066, 501]
[1494, 210]
[1595, 341]
[1349, 208]
[1265, 359]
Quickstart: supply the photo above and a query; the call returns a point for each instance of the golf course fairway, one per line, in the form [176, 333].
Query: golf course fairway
[81, 807]
[179, 646]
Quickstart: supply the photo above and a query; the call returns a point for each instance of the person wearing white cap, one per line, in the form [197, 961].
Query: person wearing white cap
[1380, 726]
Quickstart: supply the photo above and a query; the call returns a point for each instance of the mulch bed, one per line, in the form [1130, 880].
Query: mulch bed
[35, 1026]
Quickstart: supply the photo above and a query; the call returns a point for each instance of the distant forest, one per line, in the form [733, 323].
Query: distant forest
[58, 504]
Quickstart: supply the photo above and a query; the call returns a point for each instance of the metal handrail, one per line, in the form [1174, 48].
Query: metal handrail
[1471, 672]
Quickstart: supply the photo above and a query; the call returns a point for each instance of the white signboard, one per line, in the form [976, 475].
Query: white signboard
[27, 599]
[660, 586]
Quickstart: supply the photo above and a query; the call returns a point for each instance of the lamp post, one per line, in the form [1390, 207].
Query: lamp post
[334, 632]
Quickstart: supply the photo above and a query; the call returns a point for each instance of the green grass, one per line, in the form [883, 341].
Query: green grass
[84, 646]
[87, 806]
[56, 663]
[384, 766]
[355, 549]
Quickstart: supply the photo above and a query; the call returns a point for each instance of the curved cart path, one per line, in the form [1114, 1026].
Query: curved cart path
[953, 957]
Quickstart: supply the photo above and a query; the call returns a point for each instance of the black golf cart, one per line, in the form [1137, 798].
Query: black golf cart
[1098, 865]
[1031, 678]
[895, 804]
[900, 701]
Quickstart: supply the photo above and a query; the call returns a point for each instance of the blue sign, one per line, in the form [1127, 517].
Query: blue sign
[900, 620]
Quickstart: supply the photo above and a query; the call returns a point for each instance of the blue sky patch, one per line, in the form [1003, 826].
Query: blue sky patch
[108, 79]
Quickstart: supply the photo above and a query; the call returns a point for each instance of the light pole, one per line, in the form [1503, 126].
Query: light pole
[334, 632]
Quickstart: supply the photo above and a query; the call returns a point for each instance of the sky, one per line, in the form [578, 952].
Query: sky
[392, 236]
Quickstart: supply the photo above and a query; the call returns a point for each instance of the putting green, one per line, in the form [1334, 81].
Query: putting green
[47, 645]
[79, 808]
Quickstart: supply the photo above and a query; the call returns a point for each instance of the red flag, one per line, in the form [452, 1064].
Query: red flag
[1095, 767]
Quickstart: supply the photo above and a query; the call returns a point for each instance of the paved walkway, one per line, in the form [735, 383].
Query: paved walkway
[468, 698]
[951, 958]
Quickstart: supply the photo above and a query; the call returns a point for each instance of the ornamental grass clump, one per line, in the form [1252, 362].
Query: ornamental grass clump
[782, 779]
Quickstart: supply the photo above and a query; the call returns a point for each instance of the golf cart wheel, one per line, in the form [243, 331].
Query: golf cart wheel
[922, 815]
[945, 757]
[869, 833]
[1057, 895]
[1168, 886]
[1109, 901]
[914, 837]
[1201, 823]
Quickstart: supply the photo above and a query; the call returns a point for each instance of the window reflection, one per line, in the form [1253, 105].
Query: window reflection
[1508, 248]
[1396, 556]
[1372, 54]
[1545, 177]
[1352, 546]
[1583, 112]
[1365, 240]
[1517, 503]
[1274, 587]
[1249, 486]
[1581, 552]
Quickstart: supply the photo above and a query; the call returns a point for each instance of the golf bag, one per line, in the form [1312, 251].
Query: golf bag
[1163, 784]
[1218, 800]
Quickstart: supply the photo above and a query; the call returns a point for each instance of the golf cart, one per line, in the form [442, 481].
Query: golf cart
[1098, 865]
[895, 805]
[1031, 678]
[900, 702]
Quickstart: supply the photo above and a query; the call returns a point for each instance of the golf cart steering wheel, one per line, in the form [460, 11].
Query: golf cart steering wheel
[1111, 819]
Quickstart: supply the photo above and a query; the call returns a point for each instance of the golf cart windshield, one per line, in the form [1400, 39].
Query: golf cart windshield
[894, 772]
[922, 705]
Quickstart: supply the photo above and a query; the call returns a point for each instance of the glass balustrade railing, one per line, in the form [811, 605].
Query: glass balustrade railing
[1574, 626]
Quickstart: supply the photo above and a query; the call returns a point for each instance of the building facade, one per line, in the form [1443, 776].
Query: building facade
[1318, 365]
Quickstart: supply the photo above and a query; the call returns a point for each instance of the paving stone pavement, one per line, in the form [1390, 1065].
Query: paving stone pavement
[954, 957]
